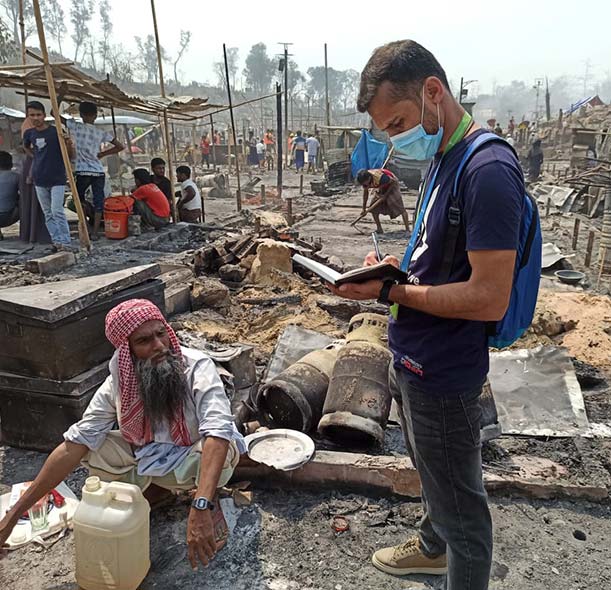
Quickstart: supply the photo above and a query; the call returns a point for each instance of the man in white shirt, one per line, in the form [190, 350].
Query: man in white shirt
[261, 153]
[312, 145]
[88, 168]
[161, 421]
[190, 204]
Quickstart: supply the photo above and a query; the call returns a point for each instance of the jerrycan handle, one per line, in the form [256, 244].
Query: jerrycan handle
[115, 488]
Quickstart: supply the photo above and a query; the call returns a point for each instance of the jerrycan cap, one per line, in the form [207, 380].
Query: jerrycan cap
[92, 484]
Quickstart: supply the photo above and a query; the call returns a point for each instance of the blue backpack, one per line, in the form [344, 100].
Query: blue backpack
[527, 272]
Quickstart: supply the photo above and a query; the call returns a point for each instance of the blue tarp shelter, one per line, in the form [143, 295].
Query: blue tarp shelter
[368, 153]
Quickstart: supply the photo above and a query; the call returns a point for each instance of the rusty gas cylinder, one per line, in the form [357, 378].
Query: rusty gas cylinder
[358, 400]
[294, 399]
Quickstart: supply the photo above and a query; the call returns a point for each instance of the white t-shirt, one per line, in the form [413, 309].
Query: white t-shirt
[194, 203]
[260, 149]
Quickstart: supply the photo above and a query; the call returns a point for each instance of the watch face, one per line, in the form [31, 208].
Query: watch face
[201, 503]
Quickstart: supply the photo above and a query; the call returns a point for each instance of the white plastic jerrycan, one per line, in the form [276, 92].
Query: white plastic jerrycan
[111, 536]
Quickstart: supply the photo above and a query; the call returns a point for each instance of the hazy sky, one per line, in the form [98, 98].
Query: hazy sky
[490, 41]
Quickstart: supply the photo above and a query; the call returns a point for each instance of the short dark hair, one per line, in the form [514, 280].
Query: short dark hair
[6, 161]
[184, 170]
[298, 132]
[35, 105]
[143, 175]
[157, 162]
[363, 176]
[88, 108]
[404, 63]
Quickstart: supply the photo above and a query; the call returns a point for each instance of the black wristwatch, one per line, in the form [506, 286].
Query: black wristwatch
[385, 292]
[202, 503]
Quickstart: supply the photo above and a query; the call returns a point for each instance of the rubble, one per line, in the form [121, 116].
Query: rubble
[271, 256]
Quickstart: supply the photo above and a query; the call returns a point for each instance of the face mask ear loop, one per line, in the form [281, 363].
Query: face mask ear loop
[438, 118]
[422, 113]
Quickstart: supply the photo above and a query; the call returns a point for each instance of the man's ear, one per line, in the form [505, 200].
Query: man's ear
[434, 90]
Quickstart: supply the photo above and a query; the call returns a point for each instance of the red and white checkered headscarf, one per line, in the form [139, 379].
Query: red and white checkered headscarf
[121, 322]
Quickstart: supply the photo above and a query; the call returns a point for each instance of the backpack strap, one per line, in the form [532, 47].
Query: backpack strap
[454, 211]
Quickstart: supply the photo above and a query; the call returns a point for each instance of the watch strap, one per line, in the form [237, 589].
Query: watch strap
[202, 503]
[385, 292]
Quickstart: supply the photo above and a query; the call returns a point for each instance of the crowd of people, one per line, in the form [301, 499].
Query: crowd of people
[36, 197]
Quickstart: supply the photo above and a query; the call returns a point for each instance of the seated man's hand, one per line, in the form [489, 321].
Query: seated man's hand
[201, 541]
[6, 527]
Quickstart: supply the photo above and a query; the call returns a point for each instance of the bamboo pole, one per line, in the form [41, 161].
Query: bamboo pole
[114, 130]
[165, 115]
[82, 226]
[12, 67]
[23, 47]
[238, 194]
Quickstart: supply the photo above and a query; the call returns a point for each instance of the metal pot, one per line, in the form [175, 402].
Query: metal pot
[358, 401]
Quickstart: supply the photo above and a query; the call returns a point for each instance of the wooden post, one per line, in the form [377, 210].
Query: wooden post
[114, 130]
[165, 114]
[23, 47]
[289, 211]
[279, 138]
[591, 236]
[301, 184]
[327, 103]
[576, 232]
[238, 195]
[548, 207]
[213, 143]
[82, 225]
[263, 195]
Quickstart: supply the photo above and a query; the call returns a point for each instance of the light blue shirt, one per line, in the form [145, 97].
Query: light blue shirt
[88, 141]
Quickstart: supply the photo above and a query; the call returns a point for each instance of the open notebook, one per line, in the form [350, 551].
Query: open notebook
[382, 271]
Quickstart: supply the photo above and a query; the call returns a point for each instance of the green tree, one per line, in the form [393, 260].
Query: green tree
[8, 49]
[259, 69]
[185, 39]
[55, 21]
[11, 8]
[106, 28]
[148, 64]
[232, 66]
[81, 12]
[350, 82]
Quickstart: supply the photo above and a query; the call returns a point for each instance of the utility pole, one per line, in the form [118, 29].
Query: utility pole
[286, 96]
[279, 137]
[238, 194]
[327, 104]
[537, 87]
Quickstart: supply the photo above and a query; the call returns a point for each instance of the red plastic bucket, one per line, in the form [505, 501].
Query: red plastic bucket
[116, 213]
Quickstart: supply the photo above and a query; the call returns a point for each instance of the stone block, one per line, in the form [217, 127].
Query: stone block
[51, 264]
[209, 293]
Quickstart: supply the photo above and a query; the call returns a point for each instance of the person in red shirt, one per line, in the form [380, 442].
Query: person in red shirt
[151, 204]
[204, 145]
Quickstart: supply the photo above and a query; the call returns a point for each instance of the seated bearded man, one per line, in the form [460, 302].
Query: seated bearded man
[175, 428]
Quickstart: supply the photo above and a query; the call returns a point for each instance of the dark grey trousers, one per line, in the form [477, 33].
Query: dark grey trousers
[442, 434]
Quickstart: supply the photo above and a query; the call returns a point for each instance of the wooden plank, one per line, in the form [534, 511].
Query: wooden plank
[533, 477]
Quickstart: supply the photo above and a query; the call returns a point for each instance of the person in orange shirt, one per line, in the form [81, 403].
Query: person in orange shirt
[151, 204]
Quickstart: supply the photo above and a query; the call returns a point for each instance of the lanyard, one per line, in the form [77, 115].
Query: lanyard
[457, 136]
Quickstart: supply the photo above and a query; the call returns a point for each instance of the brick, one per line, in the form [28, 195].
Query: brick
[51, 264]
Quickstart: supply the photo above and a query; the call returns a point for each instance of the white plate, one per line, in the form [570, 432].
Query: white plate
[281, 448]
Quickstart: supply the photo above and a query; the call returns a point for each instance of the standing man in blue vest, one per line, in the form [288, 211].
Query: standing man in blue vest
[438, 329]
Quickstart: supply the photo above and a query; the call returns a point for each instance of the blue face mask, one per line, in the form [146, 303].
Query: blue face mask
[416, 143]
